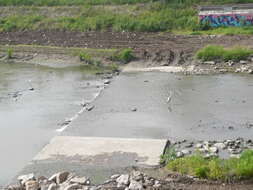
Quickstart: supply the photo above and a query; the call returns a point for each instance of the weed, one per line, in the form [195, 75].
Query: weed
[215, 168]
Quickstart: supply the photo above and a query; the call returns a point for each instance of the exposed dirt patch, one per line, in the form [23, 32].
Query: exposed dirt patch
[161, 49]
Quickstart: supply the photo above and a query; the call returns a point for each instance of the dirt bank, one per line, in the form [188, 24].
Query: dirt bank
[150, 49]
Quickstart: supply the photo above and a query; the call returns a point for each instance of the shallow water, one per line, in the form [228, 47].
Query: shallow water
[29, 118]
[201, 107]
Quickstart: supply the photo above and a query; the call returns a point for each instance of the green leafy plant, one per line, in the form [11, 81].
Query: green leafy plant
[215, 168]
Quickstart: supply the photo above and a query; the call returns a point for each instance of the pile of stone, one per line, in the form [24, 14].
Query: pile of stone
[223, 149]
[136, 180]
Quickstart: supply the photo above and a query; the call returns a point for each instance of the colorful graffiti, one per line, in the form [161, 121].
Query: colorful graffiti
[226, 20]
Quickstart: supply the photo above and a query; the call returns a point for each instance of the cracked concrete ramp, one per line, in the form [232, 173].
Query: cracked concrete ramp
[144, 152]
[96, 157]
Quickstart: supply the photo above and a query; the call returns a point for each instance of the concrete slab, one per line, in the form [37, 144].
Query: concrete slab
[147, 151]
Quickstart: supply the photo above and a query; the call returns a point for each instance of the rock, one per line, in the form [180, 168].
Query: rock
[59, 177]
[238, 70]
[123, 179]
[15, 187]
[52, 186]
[24, 178]
[189, 145]
[179, 154]
[90, 107]
[234, 155]
[73, 187]
[135, 185]
[31, 185]
[213, 149]
[243, 62]
[198, 145]
[107, 82]
[115, 176]
[210, 62]
[137, 176]
[133, 109]
[80, 180]
[186, 151]
[220, 145]
[231, 128]
[250, 71]
[157, 184]
[230, 63]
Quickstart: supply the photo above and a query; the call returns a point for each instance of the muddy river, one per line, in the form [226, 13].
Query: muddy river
[35, 100]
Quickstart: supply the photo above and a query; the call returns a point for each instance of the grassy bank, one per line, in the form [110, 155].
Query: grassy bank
[136, 15]
[215, 168]
[214, 52]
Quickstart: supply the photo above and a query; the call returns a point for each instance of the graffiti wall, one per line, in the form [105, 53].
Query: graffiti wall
[216, 20]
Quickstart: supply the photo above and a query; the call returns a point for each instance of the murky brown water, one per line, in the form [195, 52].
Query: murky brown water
[29, 118]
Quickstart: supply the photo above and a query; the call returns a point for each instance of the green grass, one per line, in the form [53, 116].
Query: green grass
[9, 53]
[215, 168]
[179, 16]
[123, 56]
[214, 52]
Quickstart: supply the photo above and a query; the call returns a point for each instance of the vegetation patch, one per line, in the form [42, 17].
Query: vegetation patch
[214, 52]
[215, 168]
[123, 56]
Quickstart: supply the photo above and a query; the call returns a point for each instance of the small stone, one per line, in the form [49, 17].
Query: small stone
[24, 178]
[90, 107]
[115, 176]
[123, 179]
[186, 151]
[31, 185]
[220, 145]
[189, 145]
[73, 187]
[213, 149]
[15, 187]
[52, 186]
[250, 71]
[137, 176]
[231, 128]
[179, 154]
[157, 184]
[107, 82]
[135, 185]
[234, 155]
[243, 62]
[210, 62]
[80, 180]
[59, 177]
[133, 109]
[198, 145]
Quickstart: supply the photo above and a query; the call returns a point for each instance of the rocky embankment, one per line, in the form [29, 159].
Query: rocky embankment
[136, 180]
[223, 149]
